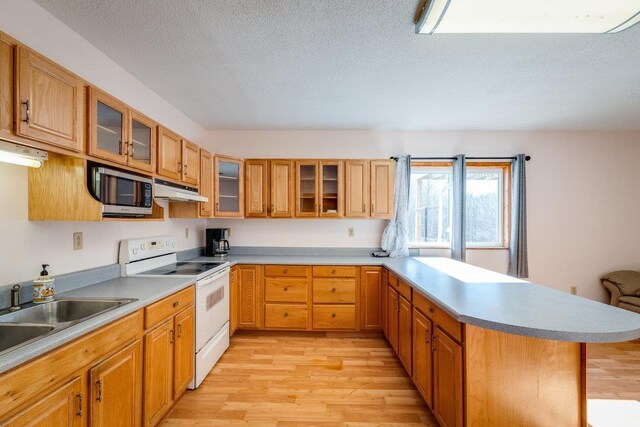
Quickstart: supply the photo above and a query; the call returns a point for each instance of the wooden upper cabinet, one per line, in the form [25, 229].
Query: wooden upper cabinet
[184, 350]
[62, 406]
[116, 389]
[190, 163]
[206, 183]
[49, 101]
[228, 178]
[382, 174]
[371, 290]
[141, 131]
[108, 130]
[306, 188]
[256, 188]
[331, 193]
[7, 49]
[282, 189]
[169, 154]
[423, 356]
[357, 188]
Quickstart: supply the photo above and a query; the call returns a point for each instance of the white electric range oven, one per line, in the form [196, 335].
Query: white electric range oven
[156, 257]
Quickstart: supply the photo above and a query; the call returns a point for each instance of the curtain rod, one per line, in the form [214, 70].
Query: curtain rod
[527, 158]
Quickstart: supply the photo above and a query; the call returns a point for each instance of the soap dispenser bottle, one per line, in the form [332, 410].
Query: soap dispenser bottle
[43, 286]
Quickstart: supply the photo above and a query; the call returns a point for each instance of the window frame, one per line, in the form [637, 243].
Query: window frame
[506, 202]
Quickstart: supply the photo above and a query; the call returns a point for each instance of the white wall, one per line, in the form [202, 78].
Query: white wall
[26, 244]
[583, 213]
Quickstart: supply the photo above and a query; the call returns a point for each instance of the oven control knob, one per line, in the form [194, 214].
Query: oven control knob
[173, 244]
[135, 251]
[142, 247]
[168, 243]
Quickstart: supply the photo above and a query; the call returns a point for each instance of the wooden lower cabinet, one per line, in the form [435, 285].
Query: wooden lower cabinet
[116, 388]
[405, 349]
[233, 300]
[422, 356]
[286, 316]
[447, 378]
[62, 406]
[184, 324]
[393, 303]
[158, 378]
[249, 296]
[371, 299]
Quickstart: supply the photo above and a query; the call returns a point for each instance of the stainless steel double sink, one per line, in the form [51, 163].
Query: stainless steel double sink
[36, 321]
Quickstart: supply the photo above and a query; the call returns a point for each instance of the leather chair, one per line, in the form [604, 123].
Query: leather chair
[625, 289]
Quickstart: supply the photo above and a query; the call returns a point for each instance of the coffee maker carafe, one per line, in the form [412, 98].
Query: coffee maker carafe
[217, 243]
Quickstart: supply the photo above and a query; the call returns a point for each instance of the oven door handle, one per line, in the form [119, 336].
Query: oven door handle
[210, 279]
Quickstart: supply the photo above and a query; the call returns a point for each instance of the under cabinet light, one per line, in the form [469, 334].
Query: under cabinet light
[526, 16]
[17, 154]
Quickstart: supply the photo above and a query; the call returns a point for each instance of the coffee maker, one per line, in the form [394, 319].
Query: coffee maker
[217, 243]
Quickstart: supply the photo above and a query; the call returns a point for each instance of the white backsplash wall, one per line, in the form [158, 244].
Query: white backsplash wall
[25, 245]
[583, 203]
[302, 232]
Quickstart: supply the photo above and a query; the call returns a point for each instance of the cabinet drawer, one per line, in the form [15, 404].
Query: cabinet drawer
[167, 307]
[285, 289]
[287, 316]
[405, 290]
[285, 270]
[393, 281]
[334, 291]
[333, 271]
[334, 316]
[443, 319]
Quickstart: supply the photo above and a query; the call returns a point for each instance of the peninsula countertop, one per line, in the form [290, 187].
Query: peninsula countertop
[487, 299]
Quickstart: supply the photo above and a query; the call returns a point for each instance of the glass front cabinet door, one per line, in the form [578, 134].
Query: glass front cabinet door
[306, 188]
[331, 192]
[229, 187]
[119, 134]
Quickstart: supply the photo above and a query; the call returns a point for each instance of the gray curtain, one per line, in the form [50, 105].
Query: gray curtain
[395, 238]
[458, 238]
[518, 257]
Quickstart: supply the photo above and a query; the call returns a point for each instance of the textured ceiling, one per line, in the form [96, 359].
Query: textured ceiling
[357, 64]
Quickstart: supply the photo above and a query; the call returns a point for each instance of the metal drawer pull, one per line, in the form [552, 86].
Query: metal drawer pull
[80, 412]
[286, 289]
[179, 330]
[27, 111]
[285, 314]
[333, 272]
[333, 290]
[426, 337]
[285, 271]
[176, 303]
[133, 149]
[430, 309]
[99, 384]
[333, 315]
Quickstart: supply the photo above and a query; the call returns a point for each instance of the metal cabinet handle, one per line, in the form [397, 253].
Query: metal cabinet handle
[80, 411]
[426, 337]
[173, 338]
[176, 303]
[286, 289]
[372, 210]
[179, 330]
[285, 271]
[364, 207]
[27, 111]
[133, 149]
[285, 314]
[433, 343]
[179, 166]
[333, 315]
[430, 309]
[99, 385]
[333, 272]
[333, 290]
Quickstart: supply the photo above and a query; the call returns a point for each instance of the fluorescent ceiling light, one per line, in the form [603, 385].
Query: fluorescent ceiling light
[21, 155]
[527, 16]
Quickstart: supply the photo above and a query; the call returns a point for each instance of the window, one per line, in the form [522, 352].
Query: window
[431, 204]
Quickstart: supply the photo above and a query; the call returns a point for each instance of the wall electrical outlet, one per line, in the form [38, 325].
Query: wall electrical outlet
[77, 241]
[186, 232]
[574, 290]
[229, 232]
[351, 232]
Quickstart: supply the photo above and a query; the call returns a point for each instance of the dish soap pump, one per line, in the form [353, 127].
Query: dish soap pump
[43, 286]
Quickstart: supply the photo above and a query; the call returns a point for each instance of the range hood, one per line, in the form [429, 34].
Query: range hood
[176, 192]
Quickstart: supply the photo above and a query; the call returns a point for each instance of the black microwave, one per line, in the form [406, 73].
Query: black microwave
[121, 193]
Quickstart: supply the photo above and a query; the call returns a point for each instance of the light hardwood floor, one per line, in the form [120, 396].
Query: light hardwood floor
[296, 379]
[279, 380]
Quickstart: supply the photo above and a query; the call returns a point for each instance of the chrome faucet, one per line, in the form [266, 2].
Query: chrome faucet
[15, 298]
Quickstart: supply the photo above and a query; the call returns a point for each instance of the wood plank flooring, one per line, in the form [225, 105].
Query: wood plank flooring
[301, 379]
[268, 379]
